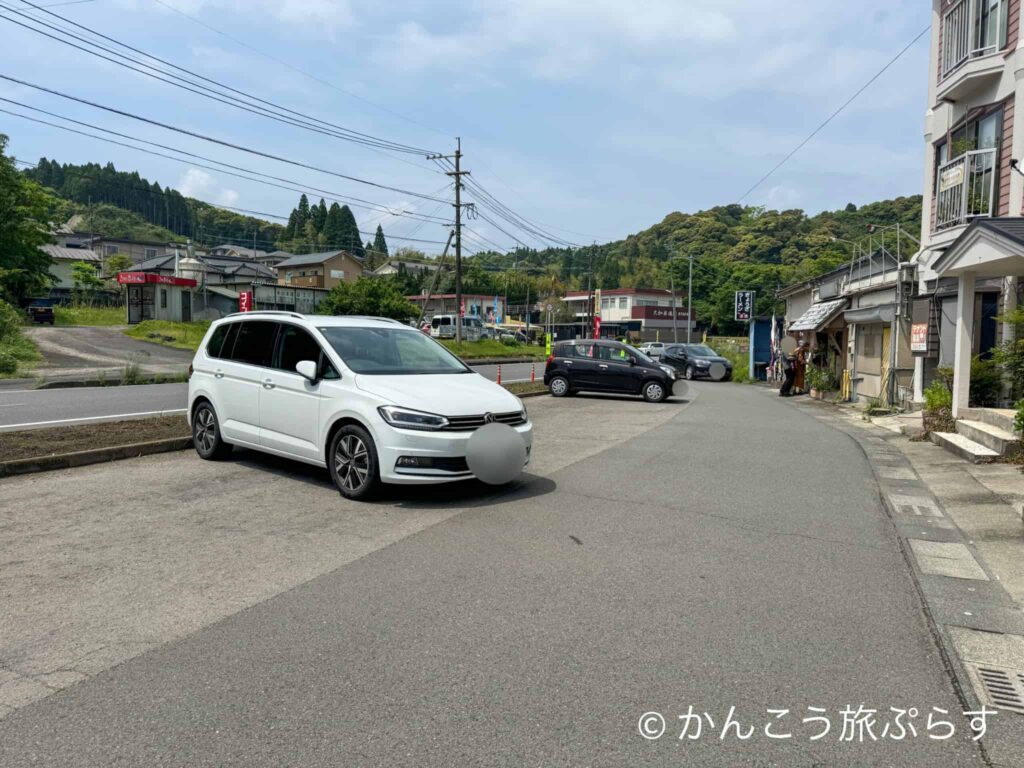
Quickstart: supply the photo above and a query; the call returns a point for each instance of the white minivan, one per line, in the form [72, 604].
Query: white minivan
[443, 327]
[369, 398]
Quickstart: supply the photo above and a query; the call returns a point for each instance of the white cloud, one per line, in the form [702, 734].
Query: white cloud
[320, 16]
[202, 186]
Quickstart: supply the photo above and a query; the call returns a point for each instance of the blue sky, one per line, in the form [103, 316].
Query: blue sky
[598, 117]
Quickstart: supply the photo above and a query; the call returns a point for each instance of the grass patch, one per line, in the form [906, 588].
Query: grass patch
[170, 334]
[525, 387]
[34, 443]
[730, 349]
[89, 315]
[16, 349]
[491, 348]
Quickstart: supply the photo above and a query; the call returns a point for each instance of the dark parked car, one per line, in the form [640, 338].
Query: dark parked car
[591, 365]
[697, 361]
[41, 311]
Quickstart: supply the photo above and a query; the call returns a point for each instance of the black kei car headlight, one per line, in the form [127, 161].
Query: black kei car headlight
[407, 418]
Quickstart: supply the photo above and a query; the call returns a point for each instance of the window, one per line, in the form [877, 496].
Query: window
[255, 343]
[229, 341]
[163, 298]
[296, 345]
[391, 351]
[150, 253]
[109, 250]
[867, 347]
[213, 347]
[623, 301]
[580, 350]
[615, 354]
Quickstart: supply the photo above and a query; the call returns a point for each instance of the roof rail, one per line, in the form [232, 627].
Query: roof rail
[267, 312]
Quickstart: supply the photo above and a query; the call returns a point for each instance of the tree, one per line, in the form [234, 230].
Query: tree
[119, 262]
[302, 215]
[334, 227]
[351, 240]
[24, 268]
[380, 245]
[319, 215]
[85, 280]
[380, 297]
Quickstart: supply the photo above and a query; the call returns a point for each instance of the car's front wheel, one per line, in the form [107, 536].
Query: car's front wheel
[353, 463]
[654, 392]
[689, 373]
[206, 437]
[559, 386]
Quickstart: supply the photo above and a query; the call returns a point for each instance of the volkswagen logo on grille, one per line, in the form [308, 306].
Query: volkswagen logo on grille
[488, 418]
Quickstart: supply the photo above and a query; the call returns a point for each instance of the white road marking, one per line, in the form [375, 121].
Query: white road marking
[110, 417]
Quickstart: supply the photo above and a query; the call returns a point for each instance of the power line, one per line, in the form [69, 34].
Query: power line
[290, 116]
[294, 68]
[835, 114]
[212, 140]
[297, 186]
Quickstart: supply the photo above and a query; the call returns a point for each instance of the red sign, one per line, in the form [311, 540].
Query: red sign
[245, 301]
[597, 326]
[919, 337]
[462, 309]
[142, 278]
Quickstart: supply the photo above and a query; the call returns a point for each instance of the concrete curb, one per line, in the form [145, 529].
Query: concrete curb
[92, 456]
[533, 394]
[471, 361]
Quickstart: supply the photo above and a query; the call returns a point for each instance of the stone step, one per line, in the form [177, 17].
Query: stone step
[976, 453]
[992, 437]
[997, 417]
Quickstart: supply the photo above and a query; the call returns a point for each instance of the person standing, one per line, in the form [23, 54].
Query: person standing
[788, 374]
[800, 368]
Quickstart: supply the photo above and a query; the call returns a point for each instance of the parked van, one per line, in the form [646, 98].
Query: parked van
[443, 327]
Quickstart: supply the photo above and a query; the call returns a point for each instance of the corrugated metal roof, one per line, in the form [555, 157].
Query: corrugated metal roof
[818, 316]
[69, 254]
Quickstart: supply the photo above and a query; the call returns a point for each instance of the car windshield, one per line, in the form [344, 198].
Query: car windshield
[391, 351]
[699, 350]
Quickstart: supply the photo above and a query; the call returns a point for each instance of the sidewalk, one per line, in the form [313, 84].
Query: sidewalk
[961, 531]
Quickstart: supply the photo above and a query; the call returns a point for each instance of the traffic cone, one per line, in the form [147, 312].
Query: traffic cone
[499, 374]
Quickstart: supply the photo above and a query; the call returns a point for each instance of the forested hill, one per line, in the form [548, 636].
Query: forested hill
[160, 207]
[734, 248]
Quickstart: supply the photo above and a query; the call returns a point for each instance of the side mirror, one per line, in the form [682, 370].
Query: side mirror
[632, 360]
[307, 369]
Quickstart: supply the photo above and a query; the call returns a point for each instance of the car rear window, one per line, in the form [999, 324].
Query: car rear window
[213, 347]
[255, 343]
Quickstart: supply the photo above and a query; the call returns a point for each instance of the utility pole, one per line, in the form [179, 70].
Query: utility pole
[672, 287]
[590, 297]
[689, 304]
[457, 174]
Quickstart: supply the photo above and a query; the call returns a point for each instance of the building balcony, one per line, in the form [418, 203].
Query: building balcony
[965, 189]
[973, 34]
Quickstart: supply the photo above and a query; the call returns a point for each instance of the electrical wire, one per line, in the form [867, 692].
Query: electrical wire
[213, 140]
[299, 119]
[835, 114]
[296, 186]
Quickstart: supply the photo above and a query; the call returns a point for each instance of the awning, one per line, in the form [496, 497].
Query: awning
[883, 313]
[818, 316]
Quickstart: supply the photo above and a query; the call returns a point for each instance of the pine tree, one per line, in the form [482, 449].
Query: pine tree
[302, 217]
[334, 227]
[319, 214]
[293, 218]
[380, 245]
[351, 240]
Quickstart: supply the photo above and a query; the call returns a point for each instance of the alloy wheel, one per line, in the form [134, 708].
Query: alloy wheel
[206, 430]
[352, 462]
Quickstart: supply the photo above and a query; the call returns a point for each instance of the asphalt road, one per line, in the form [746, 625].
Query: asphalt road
[23, 409]
[729, 552]
[70, 351]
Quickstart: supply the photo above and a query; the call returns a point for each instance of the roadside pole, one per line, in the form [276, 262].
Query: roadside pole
[689, 304]
[675, 325]
[457, 174]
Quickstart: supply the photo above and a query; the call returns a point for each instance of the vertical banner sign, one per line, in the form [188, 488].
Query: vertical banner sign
[497, 312]
[919, 337]
[597, 313]
[245, 301]
[547, 344]
[462, 308]
[597, 326]
[744, 305]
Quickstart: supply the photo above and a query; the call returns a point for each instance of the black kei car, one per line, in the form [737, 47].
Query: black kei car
[697, 361]
[596, 365]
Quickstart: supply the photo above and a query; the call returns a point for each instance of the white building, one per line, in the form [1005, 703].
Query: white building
[972, 236]
[643, 312]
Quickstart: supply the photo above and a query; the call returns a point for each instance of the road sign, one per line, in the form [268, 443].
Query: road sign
[245, 301]
[744, 305]
[547, 344]
[919, 337]
[549, 307]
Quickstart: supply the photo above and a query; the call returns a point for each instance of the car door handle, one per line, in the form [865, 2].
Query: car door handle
[218, 374]
[268, 383]
[602, 366]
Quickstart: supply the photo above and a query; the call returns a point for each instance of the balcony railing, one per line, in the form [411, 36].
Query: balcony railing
[965, 188]
[972, 28]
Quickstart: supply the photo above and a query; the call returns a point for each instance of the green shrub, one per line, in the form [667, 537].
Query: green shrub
[1018, 420]
[8, 362]
[986, 383]
[820, 379]
[937, 396]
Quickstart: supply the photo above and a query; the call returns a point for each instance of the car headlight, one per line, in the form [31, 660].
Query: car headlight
[671, 373]
[406, 418]
[703, 364]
